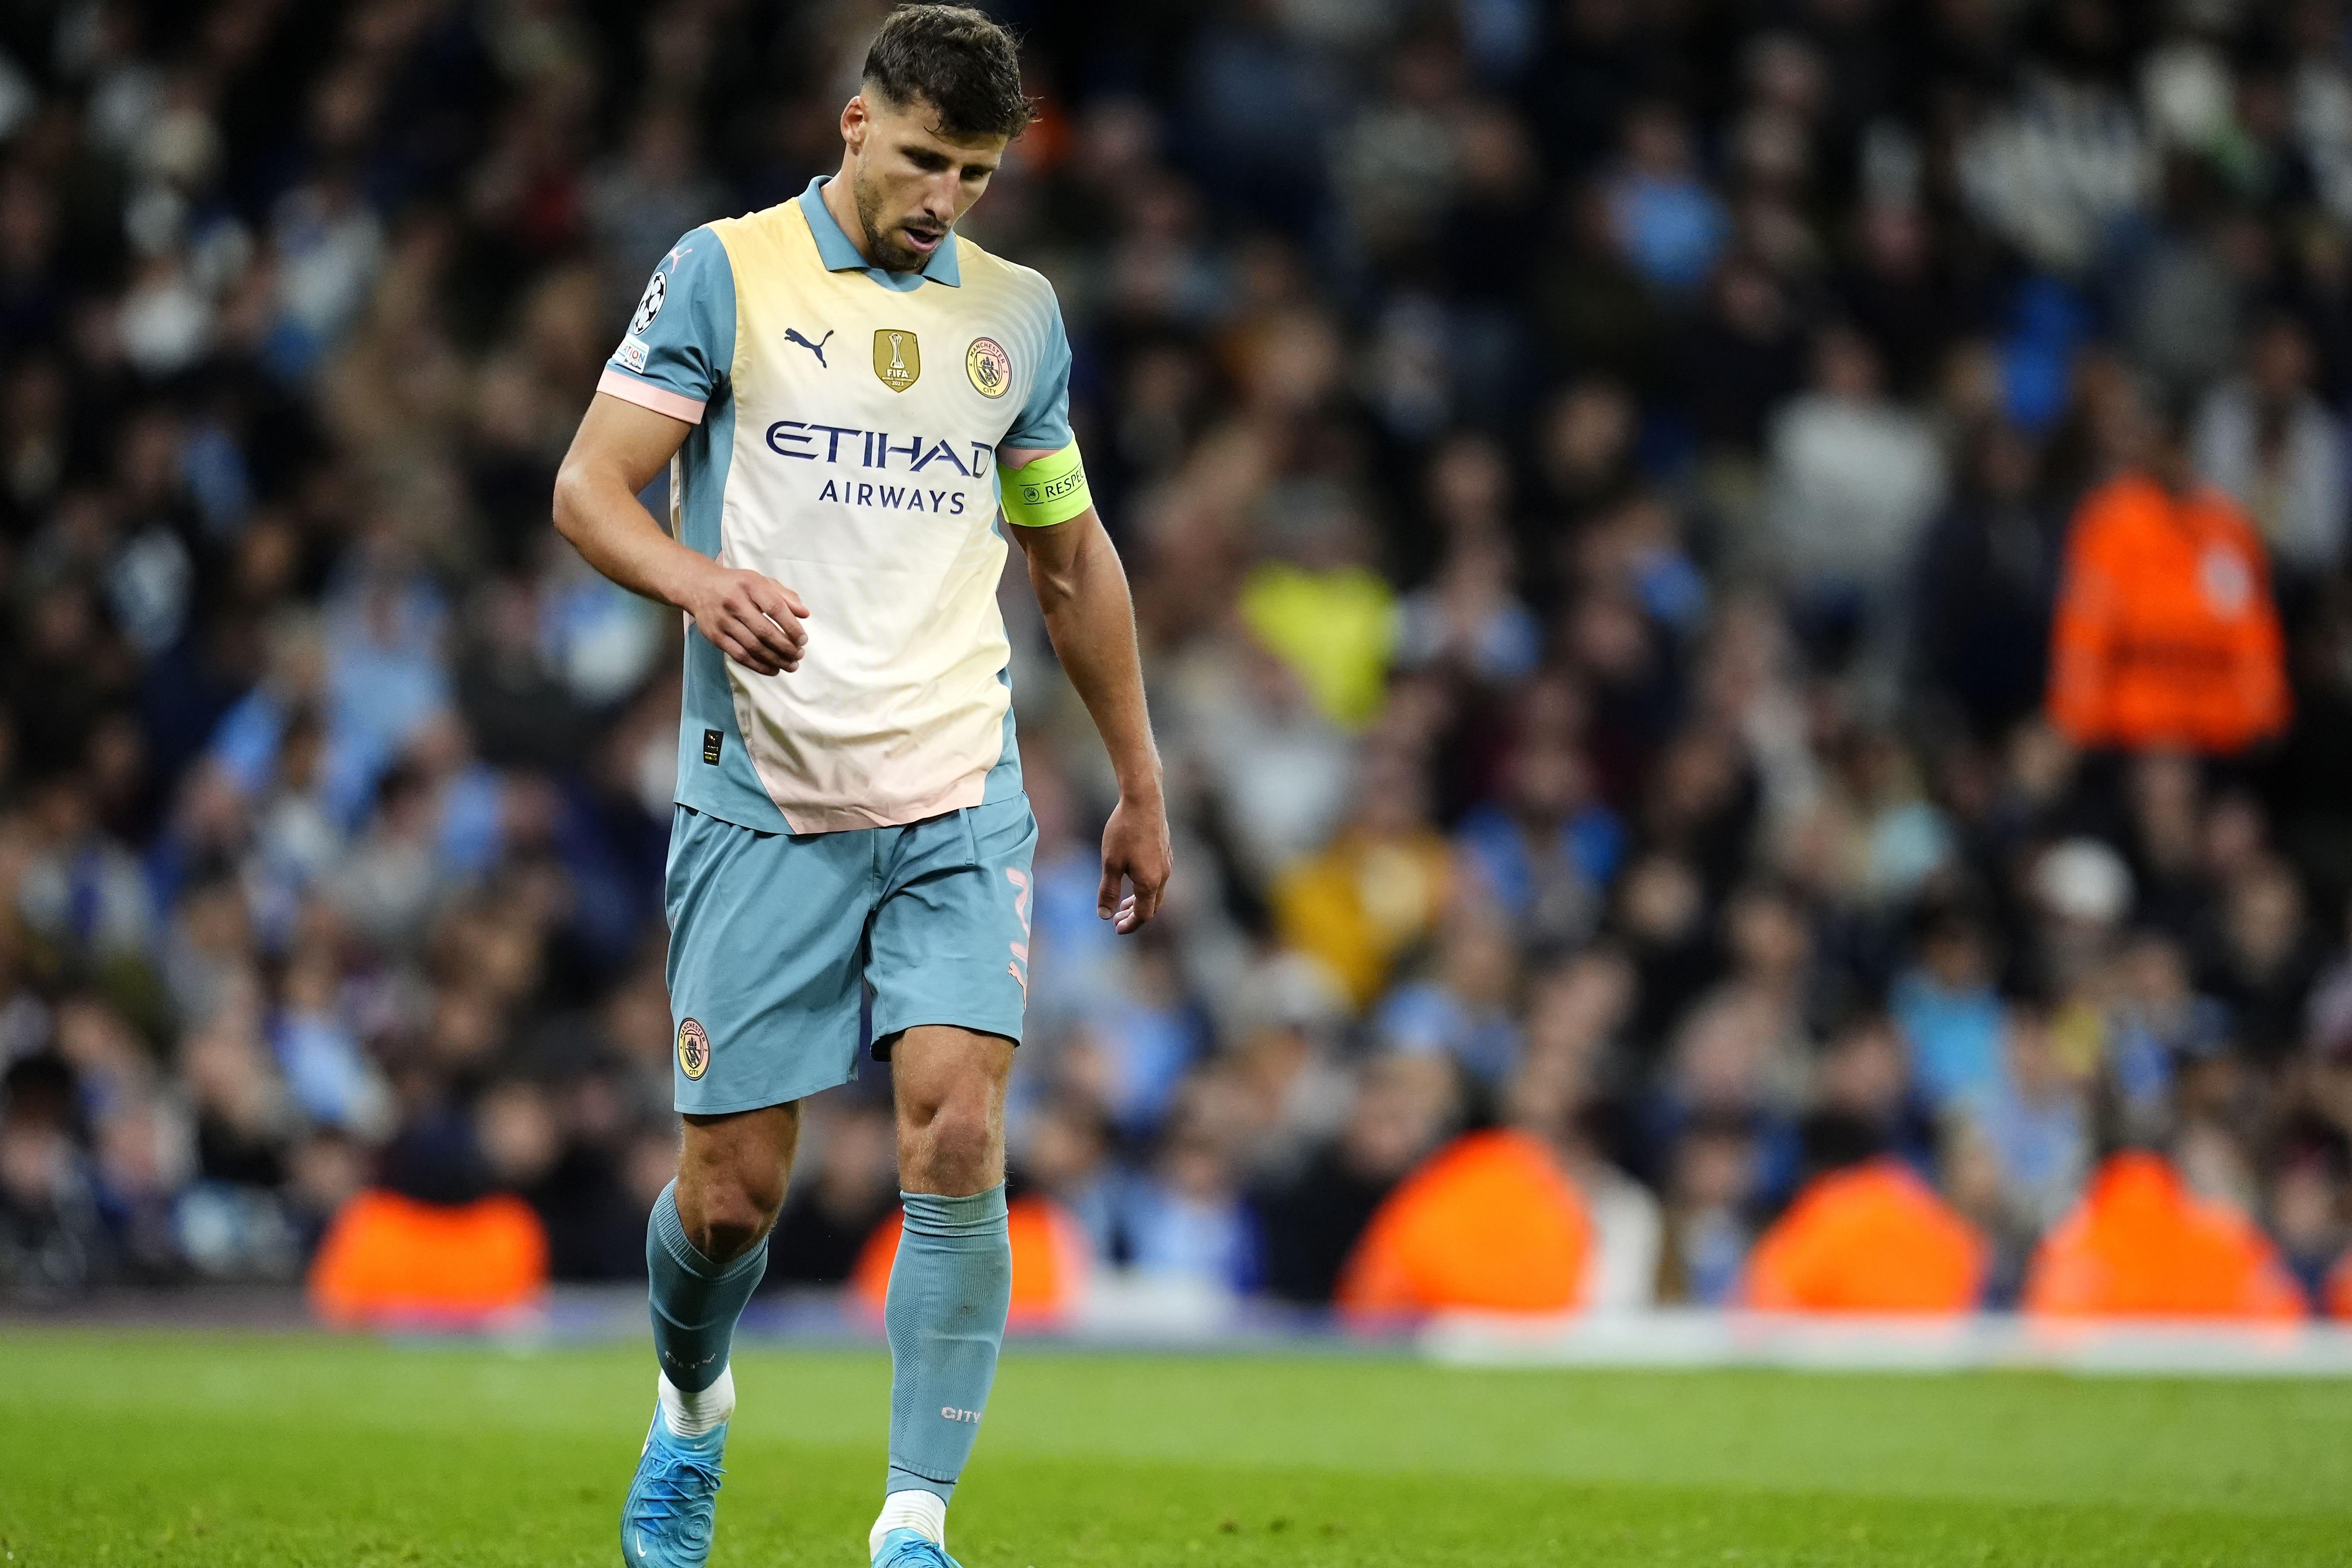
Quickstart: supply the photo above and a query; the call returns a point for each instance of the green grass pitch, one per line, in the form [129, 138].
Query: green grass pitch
[193, 1449]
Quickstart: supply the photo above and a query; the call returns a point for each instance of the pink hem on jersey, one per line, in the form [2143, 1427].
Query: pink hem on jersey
[844, 817]
[629, 389]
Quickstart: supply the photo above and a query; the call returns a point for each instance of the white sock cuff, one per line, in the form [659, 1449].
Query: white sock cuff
[925, 1513]
[699, 1414]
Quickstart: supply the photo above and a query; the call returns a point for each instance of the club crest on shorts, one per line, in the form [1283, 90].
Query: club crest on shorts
[898, 358]
[990, 367]
[693, 1049]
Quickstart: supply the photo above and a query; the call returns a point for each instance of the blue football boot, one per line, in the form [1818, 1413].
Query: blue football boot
[666, 1521]
[908, 1548]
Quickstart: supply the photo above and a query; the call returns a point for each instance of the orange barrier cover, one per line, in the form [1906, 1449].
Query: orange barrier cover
[1490, 1221]
[1871, 1239]
[389, 1258]
[2140, 1244]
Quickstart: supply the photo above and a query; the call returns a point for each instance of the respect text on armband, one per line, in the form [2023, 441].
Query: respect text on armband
[1054, 489]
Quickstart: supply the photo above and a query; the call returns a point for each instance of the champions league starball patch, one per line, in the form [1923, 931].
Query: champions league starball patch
[650, 305]
[693, 1049]
[990, 367]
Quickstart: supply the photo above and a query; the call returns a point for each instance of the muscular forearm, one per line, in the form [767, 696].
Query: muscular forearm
[620, 447]
[1090, 618]
[1082, 589]
[604, 520]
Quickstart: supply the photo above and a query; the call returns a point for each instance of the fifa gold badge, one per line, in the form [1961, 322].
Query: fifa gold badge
[990, 367]
[693, 1049]
[898, 359]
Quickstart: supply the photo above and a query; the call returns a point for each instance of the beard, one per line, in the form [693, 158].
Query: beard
[882, 242]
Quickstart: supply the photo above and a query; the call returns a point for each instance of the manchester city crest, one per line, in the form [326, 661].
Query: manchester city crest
[990, 367]
[898, 358]
[693, 1049]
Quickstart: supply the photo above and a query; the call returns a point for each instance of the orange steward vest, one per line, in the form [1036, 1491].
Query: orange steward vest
[2165, 634]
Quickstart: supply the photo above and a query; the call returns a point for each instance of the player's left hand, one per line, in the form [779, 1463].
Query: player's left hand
[1135, 850]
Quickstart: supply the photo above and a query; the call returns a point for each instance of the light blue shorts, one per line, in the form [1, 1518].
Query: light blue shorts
[775, 940]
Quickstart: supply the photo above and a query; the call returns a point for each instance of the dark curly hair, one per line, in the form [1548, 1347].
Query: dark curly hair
[963, 64]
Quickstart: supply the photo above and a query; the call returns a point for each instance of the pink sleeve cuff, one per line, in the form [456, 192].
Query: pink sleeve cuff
[629, 389]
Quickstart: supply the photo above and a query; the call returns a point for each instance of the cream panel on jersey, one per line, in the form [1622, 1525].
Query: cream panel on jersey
[863, 476]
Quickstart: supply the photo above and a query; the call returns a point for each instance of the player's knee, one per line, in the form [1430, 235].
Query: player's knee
[957, 1147]
[731, 1212]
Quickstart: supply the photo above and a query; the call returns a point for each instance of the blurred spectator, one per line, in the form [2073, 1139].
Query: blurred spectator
[1377, 889]
[1281, 772]
[2157, 1027]
[1309, 1217]
[2032, 1121]
[1746, 354]
[53, 1243]
[1462, 1011]
[1856, 479]
[1551, 1097]
[1594, 307]
[1545, 852]
[2266, 440]
[1668, 222]
[1334, 621]
[1947, 1012]
[2080, 890]
[846, 1184]
[1185, 1217]
[1710, 1191]
[1064, 1147]
[1469, 615]
[1863, 1078]
[2052, 168]
[2268, 962]
[1987, 578]
[2305, 1211]
[1584, 450]
[1144, 1039]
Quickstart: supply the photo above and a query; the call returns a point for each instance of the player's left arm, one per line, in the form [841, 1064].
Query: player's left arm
[1090, 616]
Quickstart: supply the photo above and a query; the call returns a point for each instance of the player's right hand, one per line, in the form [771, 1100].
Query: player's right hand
[756, 621]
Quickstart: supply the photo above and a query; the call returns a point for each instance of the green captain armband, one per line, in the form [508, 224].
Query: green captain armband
[1046, 491]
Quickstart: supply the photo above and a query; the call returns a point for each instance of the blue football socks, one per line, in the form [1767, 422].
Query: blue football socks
[695, 1301]
[949, 1290]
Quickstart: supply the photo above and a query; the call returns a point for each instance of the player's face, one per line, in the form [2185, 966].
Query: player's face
[911, 182]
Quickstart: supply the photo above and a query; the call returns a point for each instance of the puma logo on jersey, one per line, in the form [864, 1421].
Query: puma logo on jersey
[792, 335]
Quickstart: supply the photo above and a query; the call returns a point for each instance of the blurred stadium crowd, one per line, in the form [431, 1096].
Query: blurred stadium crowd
[1600, 482]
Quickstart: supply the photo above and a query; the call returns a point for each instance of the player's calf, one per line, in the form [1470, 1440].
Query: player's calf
[951, 1282]
[705, 1248]
[950, 1289]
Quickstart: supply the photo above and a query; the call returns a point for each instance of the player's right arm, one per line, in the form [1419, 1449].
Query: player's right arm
[618, 450]
[654, 392]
